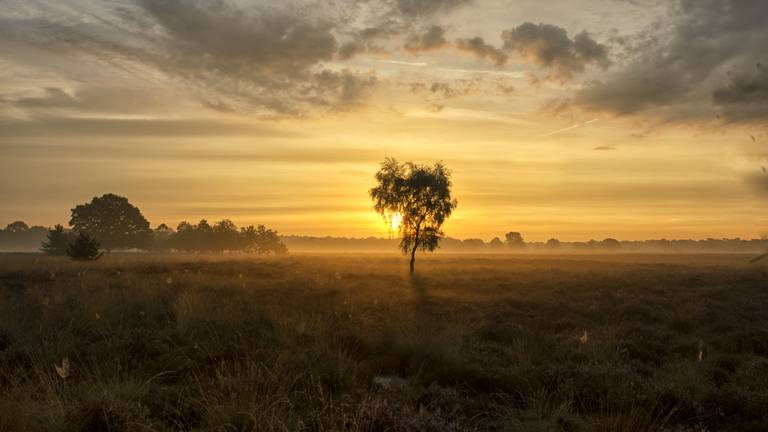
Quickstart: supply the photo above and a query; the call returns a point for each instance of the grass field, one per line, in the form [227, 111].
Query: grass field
[351, 343]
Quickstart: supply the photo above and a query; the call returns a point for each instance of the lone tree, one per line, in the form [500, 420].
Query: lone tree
[56, 241]
[113, 221]
[84, 248]
[420, 197]
[514, 240]
[17, 227]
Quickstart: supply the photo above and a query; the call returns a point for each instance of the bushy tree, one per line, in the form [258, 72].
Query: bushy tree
[514, 240]
[162, 237]
[84, 248]
[420, 196]
[224, 236]
[17, 227]
[113, 221]
[553, 243]
[56, 241]
[261, 240]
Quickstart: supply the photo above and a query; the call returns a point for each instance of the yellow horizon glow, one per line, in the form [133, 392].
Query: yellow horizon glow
[394, 221]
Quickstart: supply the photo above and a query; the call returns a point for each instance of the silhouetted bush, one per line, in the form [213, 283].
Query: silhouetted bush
[84, 248]
[56, 241]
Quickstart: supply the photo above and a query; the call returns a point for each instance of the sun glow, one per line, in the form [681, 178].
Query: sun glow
[394, 222]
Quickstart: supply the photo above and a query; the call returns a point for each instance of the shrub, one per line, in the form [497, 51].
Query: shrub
[56, 241]
[84, 248]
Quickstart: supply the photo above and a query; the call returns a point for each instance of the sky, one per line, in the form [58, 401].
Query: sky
[574, 119]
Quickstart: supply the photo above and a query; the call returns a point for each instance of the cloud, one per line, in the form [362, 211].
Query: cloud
[697, 65]
[758, 182]
[99, 99]
[549, 46]
[558, 107]
[478, 47]
[266, 60]
[745, 96]
[604, 147]
[432, 39]
[384, 20]
[268, 42]
[369, 39]
[426, 7]
[52, 98]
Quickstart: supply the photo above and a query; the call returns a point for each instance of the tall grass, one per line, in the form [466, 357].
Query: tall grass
[351, 343]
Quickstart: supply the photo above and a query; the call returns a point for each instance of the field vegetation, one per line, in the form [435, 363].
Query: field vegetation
[352, 343]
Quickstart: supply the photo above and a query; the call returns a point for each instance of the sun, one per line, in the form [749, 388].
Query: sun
[394, 222]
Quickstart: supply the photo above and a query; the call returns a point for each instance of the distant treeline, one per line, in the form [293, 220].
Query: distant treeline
[448, 244]
[118, 225]
[226, 236]
[110, 222]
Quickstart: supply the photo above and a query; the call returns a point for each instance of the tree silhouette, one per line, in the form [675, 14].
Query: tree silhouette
[162, 236]
[225, 236]
[420, 196]
[113, 221]
[261, 240]
[84, 248]
[56, 241]
[17, 227]
[514, 240]
[496, 243]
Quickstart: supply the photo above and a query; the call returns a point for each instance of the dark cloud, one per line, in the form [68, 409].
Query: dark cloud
[264, 60]
[94, 98]
[264, 41]
[53, 98]
[369, 39]
[443, 88]
[758, 182]
[745, 96]
[432, 39]
[392, 19]
[696, 66]
[478, 47]
[426, 7]
[550, 47]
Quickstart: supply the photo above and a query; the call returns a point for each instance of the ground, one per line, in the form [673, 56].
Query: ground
[351, 343]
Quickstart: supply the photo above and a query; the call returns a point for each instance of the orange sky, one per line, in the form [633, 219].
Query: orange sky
[548, 131]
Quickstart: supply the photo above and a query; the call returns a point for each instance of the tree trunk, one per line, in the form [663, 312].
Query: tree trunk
[415, 245]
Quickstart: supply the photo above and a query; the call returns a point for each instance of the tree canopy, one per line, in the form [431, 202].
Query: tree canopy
[224, 235]
[113, 221]
[420, 196]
